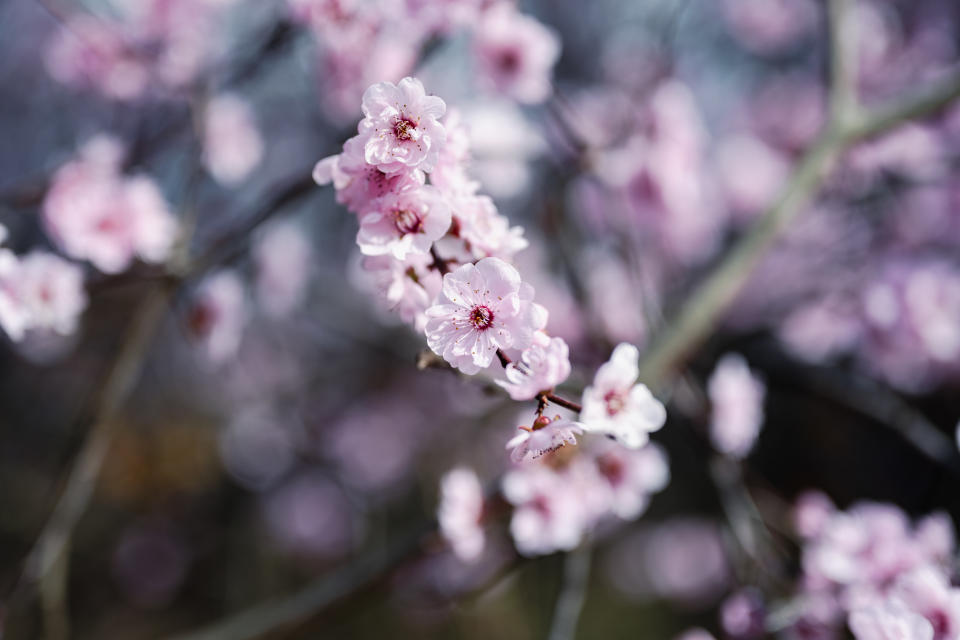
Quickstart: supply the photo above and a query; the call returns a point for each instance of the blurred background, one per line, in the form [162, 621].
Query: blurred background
[259, 420]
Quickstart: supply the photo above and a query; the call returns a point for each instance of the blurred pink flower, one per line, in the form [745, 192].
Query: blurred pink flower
[283, 255]
[751, 172]
[633, 475]
[545, 436]
[615, 405]
[889, 620]
[811, 513]
[217, 315]
[51, 292]
[232, 145]
[483, 307]
[93, 52]
[515, 53]
[742, 614]
[14, 317]
[94, 213]
[460, 513]
[927, 590]
[547, 517]
[543, 365]
[769, 26]
[401, 128]
[736, 398]
[310, 515]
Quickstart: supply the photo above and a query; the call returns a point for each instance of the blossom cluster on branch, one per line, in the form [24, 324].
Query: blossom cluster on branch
[441, 252]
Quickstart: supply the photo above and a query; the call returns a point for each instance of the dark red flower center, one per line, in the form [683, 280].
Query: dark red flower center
[404, 128]
[407, 221]
[615, 402]
[481, 317]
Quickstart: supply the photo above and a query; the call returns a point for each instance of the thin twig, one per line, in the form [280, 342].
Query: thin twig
[82, 479]
[576, 580]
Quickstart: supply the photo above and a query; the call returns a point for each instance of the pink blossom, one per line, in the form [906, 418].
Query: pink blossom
[768, 26]
[93, 52]
[515, 53]
[460, 513]
[547, 516]
[736, 396]
[358, 183]
[408, 221]
[820, 330]
[633, 475]
[742, 614]
[615, 405]
[401, 128]
[14, 317]
[484, 307]
[310, 515]
[449, 175]
[217, 315]
[543, 365]
[811, 513]
[751, 172]
[407, 287]
[926, 590]
[283, 255]
[96, 214]
[545, 436]
[51, 291]
[232, 145]
[889, 620]
[487, 233]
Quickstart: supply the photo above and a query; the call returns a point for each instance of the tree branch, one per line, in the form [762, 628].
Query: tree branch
[710, 300]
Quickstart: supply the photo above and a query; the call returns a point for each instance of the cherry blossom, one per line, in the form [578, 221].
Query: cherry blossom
[232, 144]
[736, 397]
[545, 436]
[406, 287]
[927, 590]
[217, 315]
[51, 292]
[404, 222]
[542, 366]
[545, 517]
[487, 233]
[358, 183]
[889, 620]
[483, 308]
[633, 475]
[14, 318]
[460, 513]
[283, 255]
[615, 405]
[515, 53]
[94, 213]
[401, 128]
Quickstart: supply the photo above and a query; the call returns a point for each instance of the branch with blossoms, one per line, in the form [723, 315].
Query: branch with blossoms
[427, 239]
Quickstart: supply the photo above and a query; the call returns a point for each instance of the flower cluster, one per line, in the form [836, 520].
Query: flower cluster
[94, 212]
[869, 566]
[439, 254]
[146, 44]
[362, 42]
